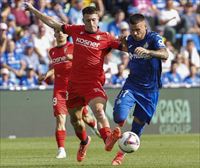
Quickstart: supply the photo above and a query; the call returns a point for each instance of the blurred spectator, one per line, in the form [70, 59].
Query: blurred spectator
[114, 26]
[3, 37]
[119, 79]
[160, 4]
[58, 13]
[5, 10]
[124, 29]
[13, 62]
[21, 16]
[191, 53]
[75, 13]
[109, 67]
[169, 20]
[5, 81]
[166, 64]
[193, 79]
[42, 44]
[198, 15]
[182, 69]
[172, 78]
[100, 7]
[144, 7]
[124, 61]
[30, 80]
[11, 26]
[31, 59]
[189, 20]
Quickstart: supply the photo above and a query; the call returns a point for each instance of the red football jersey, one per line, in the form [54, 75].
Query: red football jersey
[62, 66]
[89, 52]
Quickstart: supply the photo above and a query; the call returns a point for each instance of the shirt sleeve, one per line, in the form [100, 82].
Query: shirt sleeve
[71, 29]
[158, 42]
[113, 42]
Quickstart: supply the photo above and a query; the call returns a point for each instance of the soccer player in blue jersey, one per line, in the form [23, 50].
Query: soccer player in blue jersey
[146, 50]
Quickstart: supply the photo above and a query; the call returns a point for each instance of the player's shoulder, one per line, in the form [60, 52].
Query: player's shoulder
[52, 50]
[69, 44]
[74, 27]
[153, 35]
[102, 33]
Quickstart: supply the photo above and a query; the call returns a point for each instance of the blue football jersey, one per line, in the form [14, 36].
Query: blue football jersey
[145, 73]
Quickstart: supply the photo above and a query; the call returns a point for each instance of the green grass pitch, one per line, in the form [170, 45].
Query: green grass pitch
[156, 151]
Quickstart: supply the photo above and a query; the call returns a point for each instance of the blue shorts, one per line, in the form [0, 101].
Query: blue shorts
[145, 104]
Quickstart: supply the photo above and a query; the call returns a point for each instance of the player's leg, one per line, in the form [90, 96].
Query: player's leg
[90, 121]
[60, 112]
[137, 127]
[80, 130]
[98, 105]
[123, 104]
[144, 110]
[60, 135]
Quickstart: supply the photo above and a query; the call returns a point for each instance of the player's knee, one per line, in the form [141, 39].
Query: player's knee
[77, 124]
[99, 114]
[118, 118]
[60, 122]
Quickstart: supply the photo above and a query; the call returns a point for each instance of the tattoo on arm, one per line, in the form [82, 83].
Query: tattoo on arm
[161, 53]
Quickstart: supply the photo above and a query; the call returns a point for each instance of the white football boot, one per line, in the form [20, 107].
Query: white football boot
[61, 153]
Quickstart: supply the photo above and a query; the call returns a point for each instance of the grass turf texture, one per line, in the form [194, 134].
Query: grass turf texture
[156, 151]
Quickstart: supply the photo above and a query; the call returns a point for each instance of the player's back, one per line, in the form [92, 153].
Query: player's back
[145, 73]
[62, 66]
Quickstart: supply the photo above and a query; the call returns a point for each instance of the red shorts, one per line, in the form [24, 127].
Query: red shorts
[59, 102]
[81, 94]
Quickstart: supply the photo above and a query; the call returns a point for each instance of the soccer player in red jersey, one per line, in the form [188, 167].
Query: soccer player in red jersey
[60, 66]
[86, 78]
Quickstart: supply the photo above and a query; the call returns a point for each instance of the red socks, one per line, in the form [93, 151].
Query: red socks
[105, 132]
[82, 135]
[60, 138]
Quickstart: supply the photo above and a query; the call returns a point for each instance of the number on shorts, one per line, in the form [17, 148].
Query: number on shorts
[55, 101]
[67, 95]
[123, 93]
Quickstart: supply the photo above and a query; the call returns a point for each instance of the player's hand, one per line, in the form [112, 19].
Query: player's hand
[142, 52]
[123, 43]
[41, 78]
[27, 6]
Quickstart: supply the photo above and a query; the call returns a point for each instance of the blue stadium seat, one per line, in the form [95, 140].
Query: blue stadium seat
[193, 37]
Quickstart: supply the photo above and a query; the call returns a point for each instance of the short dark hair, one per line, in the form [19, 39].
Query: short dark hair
[189, 41]
[136, 18]
[89, 10]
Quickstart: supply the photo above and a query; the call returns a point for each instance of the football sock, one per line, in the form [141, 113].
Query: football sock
[60, 138]
[82, 135]
[137, 128]
[105, 132]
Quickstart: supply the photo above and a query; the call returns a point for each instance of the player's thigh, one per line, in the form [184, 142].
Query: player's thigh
[123, 104]
[61, 119]
[75, 113]
[98, 104]
[145, 106]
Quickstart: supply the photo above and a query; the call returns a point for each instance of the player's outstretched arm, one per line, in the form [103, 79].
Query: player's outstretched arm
[44, 18]
[161, 53]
